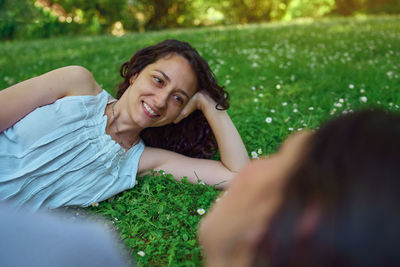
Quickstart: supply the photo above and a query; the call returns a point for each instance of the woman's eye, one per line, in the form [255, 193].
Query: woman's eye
[178, 99]
[158, 80]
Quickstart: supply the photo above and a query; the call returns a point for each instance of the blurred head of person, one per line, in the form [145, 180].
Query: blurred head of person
[328, 198]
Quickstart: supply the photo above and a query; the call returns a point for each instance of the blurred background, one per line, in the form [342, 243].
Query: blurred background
[31, 19]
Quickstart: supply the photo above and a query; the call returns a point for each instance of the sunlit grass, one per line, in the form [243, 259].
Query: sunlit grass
[282, 77]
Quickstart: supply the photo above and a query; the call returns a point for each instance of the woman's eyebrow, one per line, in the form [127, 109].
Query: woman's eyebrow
[168, 79]
[163, 74]
[184, 93]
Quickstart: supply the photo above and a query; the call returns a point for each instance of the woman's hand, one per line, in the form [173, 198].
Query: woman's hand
[232, 150]
[199, 101]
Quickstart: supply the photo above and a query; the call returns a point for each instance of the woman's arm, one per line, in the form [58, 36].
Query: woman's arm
[22, 98]
[232, 150]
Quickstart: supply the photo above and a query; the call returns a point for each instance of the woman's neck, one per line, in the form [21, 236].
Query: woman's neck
[123, 133]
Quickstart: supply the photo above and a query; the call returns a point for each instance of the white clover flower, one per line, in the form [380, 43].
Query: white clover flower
[254, 154]
[311, 108]
[351, 86]
[338, 105]
[295, 110]
[201, 211]
[253, 88]
[272, 110]
[228, 82]
[259, 151]
[141, 253]
[255, 65]
[362, 91]
[290, 129]
[284, 104]
[261, 95]
[255, 100]
[363, 99]
[95, 204]
[341, 100]
[278, 86]
[268, 119]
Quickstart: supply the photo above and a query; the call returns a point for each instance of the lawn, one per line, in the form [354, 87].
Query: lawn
[282, 77]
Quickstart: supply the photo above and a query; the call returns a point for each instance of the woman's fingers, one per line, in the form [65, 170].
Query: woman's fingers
[191, 106]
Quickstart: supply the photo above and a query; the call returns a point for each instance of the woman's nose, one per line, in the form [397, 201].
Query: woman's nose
[161, 100]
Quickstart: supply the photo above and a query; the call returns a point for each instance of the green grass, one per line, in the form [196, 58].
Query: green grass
[299, 74]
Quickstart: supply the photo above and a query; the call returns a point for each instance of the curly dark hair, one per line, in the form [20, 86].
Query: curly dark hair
[351, 171]
[192, 136]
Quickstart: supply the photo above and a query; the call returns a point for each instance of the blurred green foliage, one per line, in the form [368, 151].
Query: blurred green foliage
[27, 19]
[21, 19]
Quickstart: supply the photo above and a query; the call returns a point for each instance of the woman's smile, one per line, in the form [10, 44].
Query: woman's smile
[149, 111]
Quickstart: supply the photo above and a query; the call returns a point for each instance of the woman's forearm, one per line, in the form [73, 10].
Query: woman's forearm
[232, 150]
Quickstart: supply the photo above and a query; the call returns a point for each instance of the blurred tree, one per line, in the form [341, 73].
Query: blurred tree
[348, 7]
[99, 15]
[155, 14]
[248, 11]
[44, 18]
[24, 19]
[382, 6]
[309, 8]
[14, 15]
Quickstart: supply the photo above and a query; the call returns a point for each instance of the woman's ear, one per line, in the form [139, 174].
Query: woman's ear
[133, 78]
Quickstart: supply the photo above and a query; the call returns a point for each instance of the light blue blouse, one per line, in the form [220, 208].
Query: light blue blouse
[60, 155]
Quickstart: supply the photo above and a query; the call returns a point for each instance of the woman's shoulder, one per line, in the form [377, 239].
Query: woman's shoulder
[81, 80]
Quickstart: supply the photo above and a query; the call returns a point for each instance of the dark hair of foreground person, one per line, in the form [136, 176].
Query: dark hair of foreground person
[341, 205]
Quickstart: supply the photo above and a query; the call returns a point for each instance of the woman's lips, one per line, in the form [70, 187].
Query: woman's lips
[149, 111]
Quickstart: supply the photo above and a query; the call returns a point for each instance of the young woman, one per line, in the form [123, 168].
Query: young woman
[65, 141]
[330, 198]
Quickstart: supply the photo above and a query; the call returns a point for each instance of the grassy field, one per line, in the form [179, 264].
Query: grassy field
[282, 78]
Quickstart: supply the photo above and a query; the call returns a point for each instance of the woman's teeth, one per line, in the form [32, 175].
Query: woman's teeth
[152, 112]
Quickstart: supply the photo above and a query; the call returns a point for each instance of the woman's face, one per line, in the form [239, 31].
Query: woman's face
[234, 225]
[160, 91]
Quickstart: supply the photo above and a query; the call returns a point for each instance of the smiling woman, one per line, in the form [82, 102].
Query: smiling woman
[65, 141]
[191, 136]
